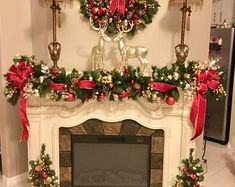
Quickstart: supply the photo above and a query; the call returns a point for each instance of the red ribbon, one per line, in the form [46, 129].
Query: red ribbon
[86, 84]
[19, 75]
[162, 87]
[205, 80]
[117, 4]
[124, 94]
[23, 117]
[57, 86]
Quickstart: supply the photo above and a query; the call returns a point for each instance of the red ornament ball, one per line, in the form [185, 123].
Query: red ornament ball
[94, 10]
[185, 170]
[70, 97]
[102, 11]
[44, 175]
[170, 100]
[102, 95]
[36, 174]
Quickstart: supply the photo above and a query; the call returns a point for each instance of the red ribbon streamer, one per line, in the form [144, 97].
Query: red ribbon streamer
[117, 4]
[86, 84]
[205, 80]
[57, 86]
[19, 75]
[23, 117]
[162, 87]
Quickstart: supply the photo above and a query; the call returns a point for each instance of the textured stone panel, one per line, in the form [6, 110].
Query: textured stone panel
[64, 131]
[156, 177]
[143, 131]
[93, 126]
[65, 159]
[65, 142]
[111, 128]
[79, 129]
[157, 145]
[129, 127]
[159, 133]
[65, 184]
[156, 185]
[156, 161]
[65, 174]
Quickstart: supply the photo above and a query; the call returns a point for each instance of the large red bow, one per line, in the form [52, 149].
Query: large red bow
[205, 79]
[19, 75]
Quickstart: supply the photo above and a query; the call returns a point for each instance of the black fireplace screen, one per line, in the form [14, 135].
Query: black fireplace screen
[111, 161]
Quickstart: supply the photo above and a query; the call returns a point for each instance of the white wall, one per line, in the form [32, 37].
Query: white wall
[15, 37]
[160, 37]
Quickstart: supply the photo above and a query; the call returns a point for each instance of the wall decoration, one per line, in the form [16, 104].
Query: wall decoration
[119, 13]
[41, 174]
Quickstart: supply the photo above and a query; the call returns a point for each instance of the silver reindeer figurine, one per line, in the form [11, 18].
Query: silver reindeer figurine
[127, 52]
[98, 55]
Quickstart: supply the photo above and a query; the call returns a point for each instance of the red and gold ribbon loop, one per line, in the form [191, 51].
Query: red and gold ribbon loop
[162, 87]
[117, 4]
[57, 86]
[86, 84]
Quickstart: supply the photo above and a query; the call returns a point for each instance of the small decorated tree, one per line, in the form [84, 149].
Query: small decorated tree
[41, 174]
[191, 172]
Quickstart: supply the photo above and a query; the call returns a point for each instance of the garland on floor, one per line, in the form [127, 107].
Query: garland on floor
[115, 14]
[191, 173]
[41, 174]
[27, 77]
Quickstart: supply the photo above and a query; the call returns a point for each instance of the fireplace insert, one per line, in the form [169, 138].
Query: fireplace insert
[111, 161]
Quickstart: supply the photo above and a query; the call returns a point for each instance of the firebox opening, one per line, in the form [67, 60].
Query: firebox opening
[111, 161]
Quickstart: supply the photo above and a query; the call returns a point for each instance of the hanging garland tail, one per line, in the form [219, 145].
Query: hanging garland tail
[28, 78]
[119, 13]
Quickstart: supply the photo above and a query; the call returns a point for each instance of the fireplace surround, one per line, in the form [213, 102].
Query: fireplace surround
[47, 118]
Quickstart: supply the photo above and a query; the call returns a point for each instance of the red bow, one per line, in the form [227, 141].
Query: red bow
[205, 80]
[19, 75]
[117, 4]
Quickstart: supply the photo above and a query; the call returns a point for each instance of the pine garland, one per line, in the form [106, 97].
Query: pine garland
[114, 85]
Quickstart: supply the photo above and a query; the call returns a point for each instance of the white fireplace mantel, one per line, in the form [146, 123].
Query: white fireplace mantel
[47, 117]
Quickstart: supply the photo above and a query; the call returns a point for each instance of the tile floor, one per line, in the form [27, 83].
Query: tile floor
[221, 167]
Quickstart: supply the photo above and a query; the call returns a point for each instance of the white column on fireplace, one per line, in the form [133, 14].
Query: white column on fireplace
[47, 117]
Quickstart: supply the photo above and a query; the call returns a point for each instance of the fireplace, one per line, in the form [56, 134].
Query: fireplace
[104, 154]
[112, 161]
[55, 124]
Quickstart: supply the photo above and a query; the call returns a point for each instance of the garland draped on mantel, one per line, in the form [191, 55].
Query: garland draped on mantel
[27, 77]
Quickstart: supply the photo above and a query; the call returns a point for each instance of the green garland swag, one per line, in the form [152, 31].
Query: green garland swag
[105, 13]
[36, 78]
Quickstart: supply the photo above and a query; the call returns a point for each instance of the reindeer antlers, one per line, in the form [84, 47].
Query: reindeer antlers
[104, 27]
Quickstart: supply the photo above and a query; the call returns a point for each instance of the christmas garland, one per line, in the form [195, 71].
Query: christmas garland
[27, 77]
[115, 14]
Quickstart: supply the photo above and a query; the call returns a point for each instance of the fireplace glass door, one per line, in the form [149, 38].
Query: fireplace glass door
[110, 161]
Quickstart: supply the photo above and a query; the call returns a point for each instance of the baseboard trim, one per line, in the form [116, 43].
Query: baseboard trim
[18, 180]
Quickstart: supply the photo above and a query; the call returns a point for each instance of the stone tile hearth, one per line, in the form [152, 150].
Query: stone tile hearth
[98, 127]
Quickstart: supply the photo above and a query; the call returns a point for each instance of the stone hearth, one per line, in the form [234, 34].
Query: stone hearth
[126, 128]
[47, 118]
